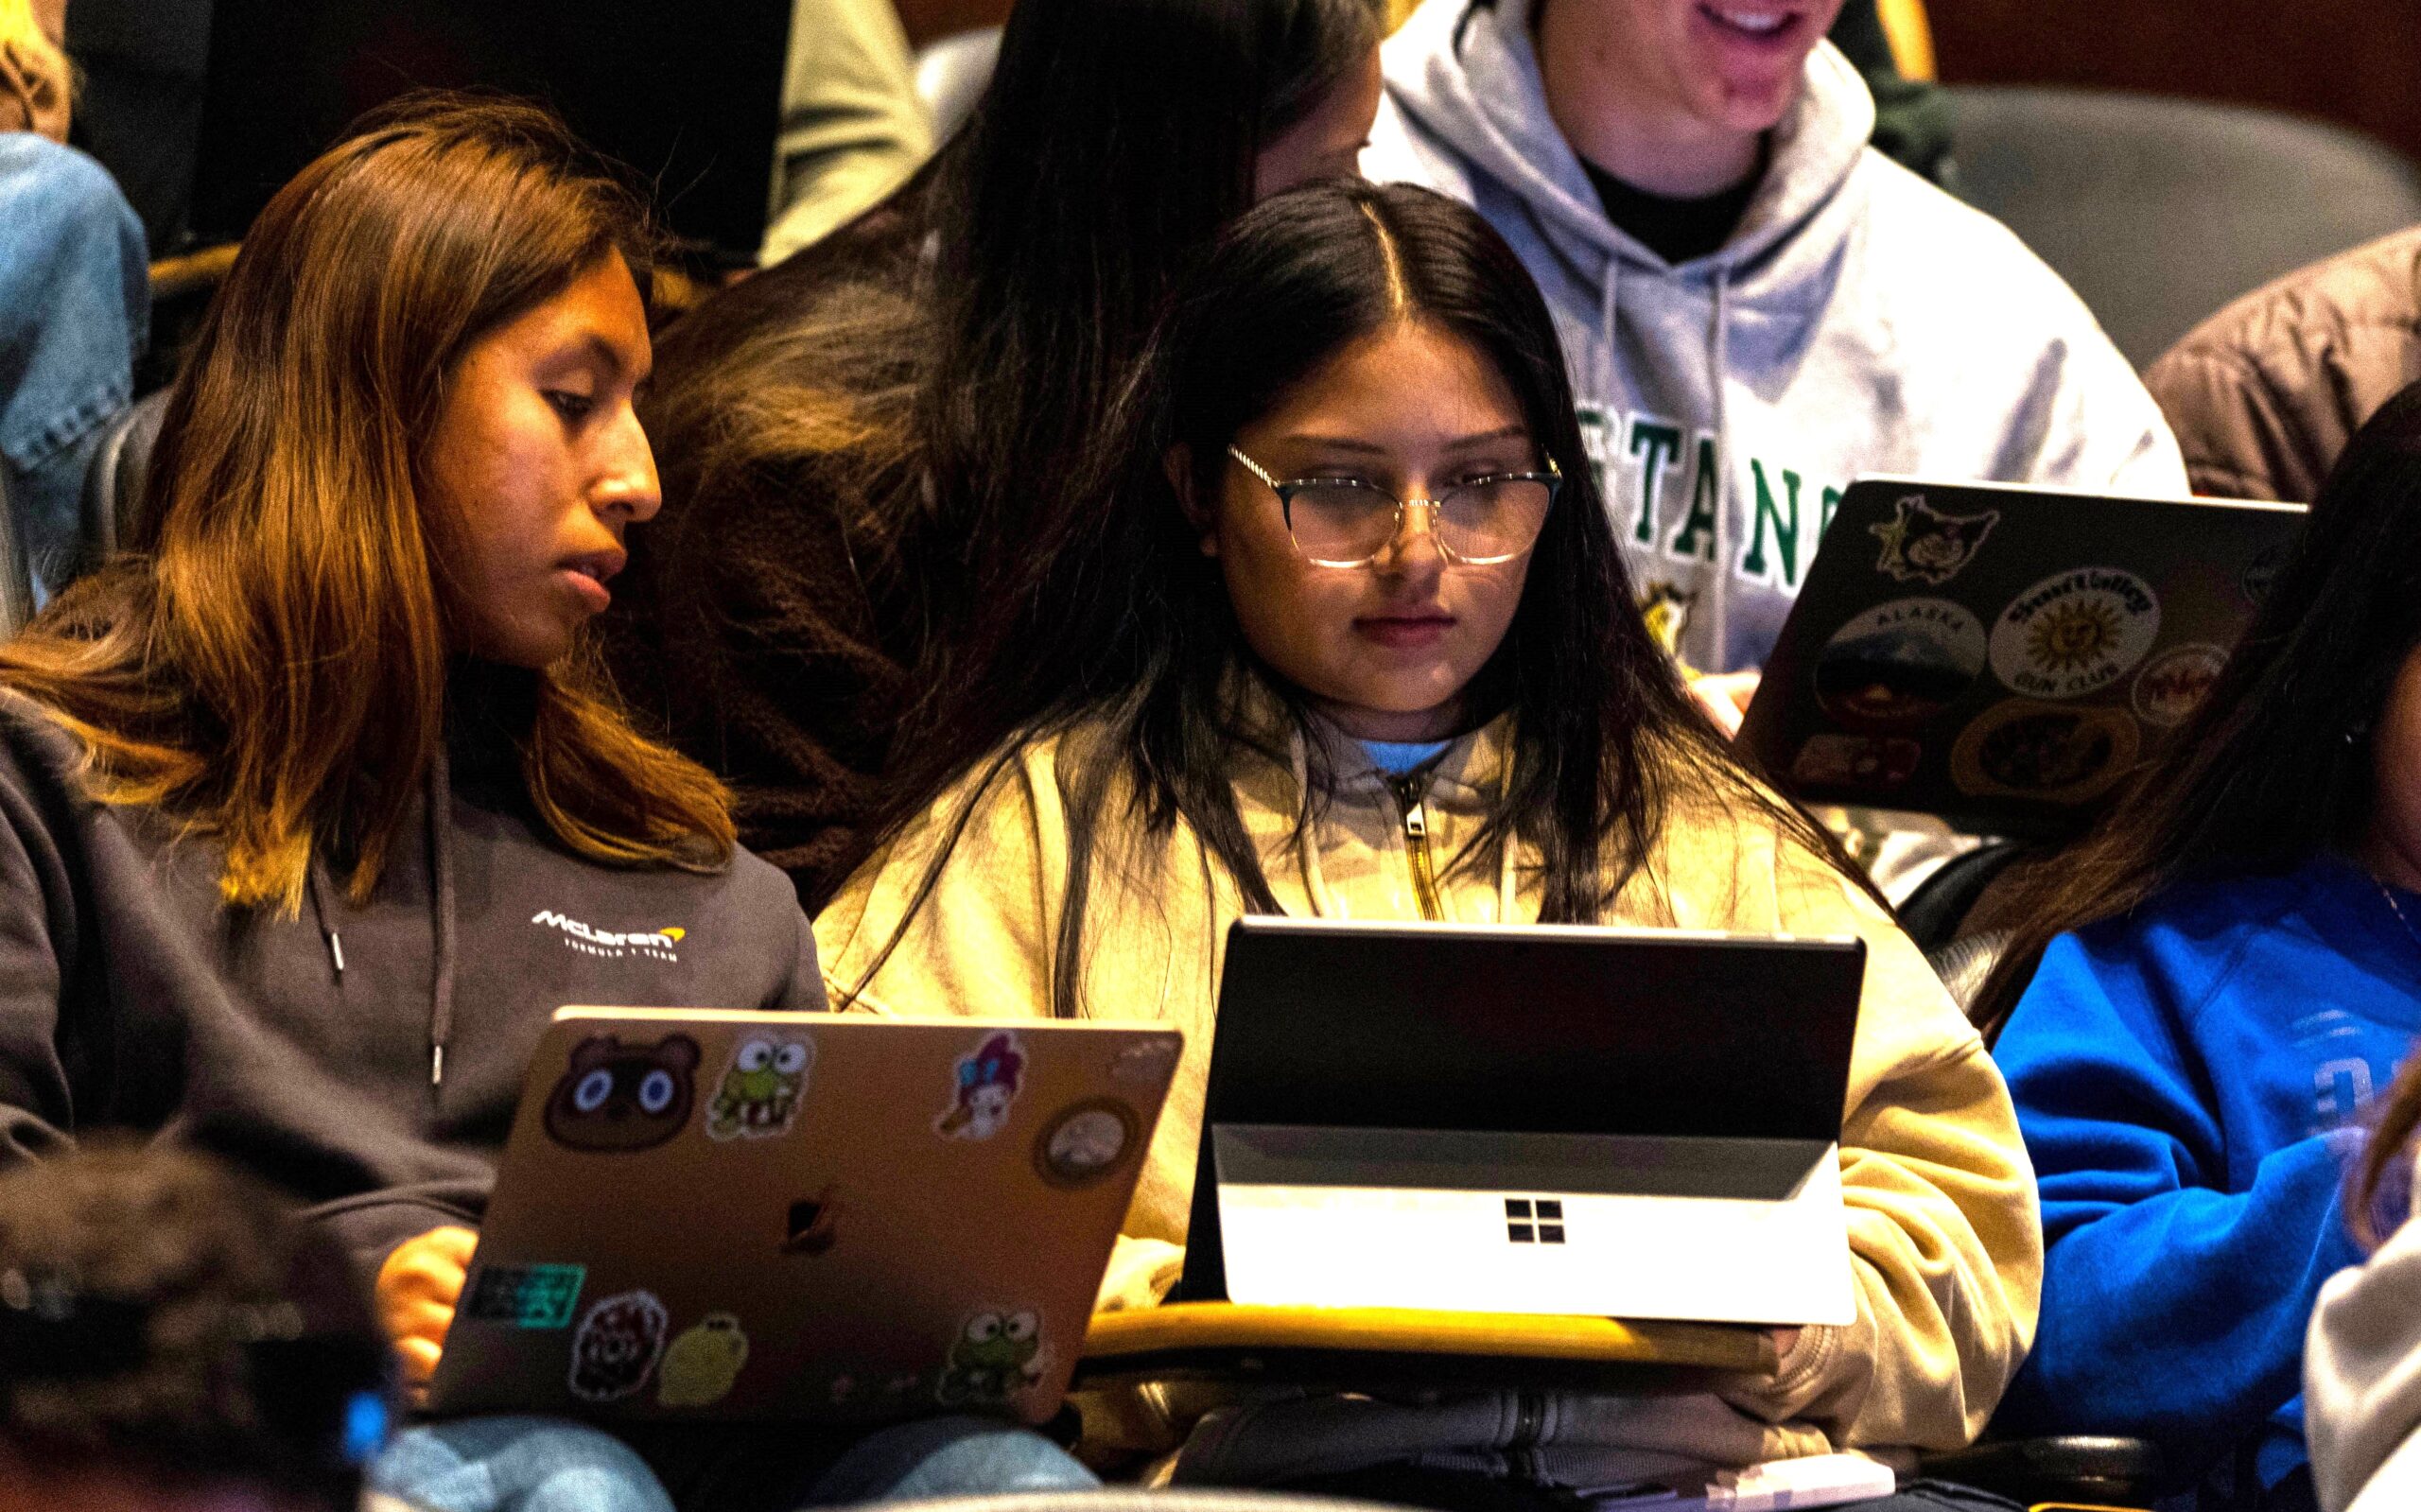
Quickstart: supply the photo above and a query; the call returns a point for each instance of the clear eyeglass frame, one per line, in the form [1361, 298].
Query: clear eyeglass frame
[1287, 488]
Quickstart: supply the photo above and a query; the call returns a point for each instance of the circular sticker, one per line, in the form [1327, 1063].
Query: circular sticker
[2044, 751]
[2075, 633]
[1084, 1143]
[1900, 663]
[2173, 683]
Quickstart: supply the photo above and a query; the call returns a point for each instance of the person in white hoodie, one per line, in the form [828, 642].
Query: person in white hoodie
[1755, 305]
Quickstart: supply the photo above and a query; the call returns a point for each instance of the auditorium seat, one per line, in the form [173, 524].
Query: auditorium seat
[113, 482]
[16, 572]
[2159, 211]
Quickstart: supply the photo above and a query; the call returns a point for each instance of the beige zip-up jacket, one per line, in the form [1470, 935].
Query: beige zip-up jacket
[1941, 1200]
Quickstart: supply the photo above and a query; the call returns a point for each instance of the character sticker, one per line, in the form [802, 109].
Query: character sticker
[762, 1093]
[983, 1088]
[2054, 752]
[1085, 1142]
[1148, 1063]
[2173, 683]
[1923, 544]
[1868, 763]
[1899, 664]
[2074, 632]
[1666, 608]
[617, 1345]
[525, 1297]
[994, 1355]
[702, 1365]
[619, 1097]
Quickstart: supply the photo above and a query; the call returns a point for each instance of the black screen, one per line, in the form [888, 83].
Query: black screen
[689, 95]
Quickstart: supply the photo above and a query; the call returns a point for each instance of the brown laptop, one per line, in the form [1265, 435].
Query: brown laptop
[818, 1217]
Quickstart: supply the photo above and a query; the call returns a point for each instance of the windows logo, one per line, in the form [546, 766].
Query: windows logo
[1534, 1220]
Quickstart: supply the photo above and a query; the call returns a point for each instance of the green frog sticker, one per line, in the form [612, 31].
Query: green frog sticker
[761, 1094]
[994, 1355]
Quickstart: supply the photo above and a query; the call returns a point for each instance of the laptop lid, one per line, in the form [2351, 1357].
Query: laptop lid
[2003, 657]
[831, 1218]
[1539, 1118]
[688, 95]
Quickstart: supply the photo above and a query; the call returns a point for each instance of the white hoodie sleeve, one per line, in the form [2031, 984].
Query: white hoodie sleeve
[2362, 1381]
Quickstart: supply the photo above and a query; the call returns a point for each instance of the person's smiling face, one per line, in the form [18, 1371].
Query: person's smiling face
[538, 465]
[1386, 649]
[1727, 65]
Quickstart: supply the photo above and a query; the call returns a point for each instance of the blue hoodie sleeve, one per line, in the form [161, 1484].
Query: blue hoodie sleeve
[2173, 1309]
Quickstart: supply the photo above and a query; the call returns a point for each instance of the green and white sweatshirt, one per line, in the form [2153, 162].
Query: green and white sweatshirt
[1858, 320]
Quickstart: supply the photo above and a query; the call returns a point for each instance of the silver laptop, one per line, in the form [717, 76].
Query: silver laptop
[1537, 1119]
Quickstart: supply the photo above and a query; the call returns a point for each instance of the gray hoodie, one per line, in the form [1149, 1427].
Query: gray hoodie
[367, 1059]
[2362, 1382]
[1861, 321]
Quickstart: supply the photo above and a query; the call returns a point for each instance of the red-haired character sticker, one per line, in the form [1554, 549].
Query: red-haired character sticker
[984, 1087]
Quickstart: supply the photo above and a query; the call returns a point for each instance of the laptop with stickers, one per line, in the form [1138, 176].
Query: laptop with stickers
[1546, 1119]
[2003, 657]
[813, 1217]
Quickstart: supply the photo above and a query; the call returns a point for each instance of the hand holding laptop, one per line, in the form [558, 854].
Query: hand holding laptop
[419, 1285]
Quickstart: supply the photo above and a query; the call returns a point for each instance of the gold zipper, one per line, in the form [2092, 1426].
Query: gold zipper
[1409, 792]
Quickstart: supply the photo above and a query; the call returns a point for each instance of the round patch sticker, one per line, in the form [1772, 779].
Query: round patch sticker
[2173, 683]
[1900, 663]
[2044, 751]
[1084, 1143]
[2075, 633]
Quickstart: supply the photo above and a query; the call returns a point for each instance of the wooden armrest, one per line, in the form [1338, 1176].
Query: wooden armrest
[1199, 1328]
[193, 273]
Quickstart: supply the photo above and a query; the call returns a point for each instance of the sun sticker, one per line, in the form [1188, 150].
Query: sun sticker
[2075, 633]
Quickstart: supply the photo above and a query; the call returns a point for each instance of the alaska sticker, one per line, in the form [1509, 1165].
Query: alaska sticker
[1900, 664]
[527, 1297]
[702, 1365]
[1871, 763]
[2075, 633]
[617, 1345]
[2052, 753]
[2173, 683]
[983, 1088]
[1923, 544]
[1085, 1142]
[619, 1097]
[994, 1355]
[761, 1094]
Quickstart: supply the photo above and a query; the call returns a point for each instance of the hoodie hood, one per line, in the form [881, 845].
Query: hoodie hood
[1858, 320]
[1468, 74]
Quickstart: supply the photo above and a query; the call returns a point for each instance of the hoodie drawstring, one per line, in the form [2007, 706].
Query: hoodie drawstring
[1608, 307]
[1307, 845]
[441, 861]
[315, 880]
[1718, 361]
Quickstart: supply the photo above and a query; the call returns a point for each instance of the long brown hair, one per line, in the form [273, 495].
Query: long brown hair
[270, 665]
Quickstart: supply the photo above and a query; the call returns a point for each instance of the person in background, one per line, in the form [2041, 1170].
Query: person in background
[295, 797]
[866, 446]
[2362, 1358]
[75, 296]
[172, 1341]
[853, 128]
[2264, 395]
[2208, 993]
[1756, 304]
[1359, 644]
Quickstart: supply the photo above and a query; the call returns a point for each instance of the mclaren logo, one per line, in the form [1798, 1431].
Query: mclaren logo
[657, 945]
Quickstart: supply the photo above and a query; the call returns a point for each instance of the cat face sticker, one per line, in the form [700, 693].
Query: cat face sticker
[761, 1094]
[619, 1097]
[616, 1347]
[1923, 544]
[984, 1089]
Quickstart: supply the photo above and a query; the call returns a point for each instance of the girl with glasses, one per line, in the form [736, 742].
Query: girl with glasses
[1359, 643]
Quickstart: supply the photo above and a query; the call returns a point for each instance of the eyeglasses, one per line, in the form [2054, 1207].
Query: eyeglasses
[1343, 522]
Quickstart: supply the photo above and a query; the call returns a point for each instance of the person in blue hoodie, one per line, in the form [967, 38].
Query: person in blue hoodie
[2209, 994]
[1756, 305]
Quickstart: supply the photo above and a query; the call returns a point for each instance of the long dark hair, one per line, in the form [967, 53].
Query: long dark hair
[1142, 646]
[2274, 766]
[940, 369]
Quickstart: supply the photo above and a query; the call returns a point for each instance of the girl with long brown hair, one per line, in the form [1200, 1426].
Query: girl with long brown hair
[2203, 998]
[311, 811]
